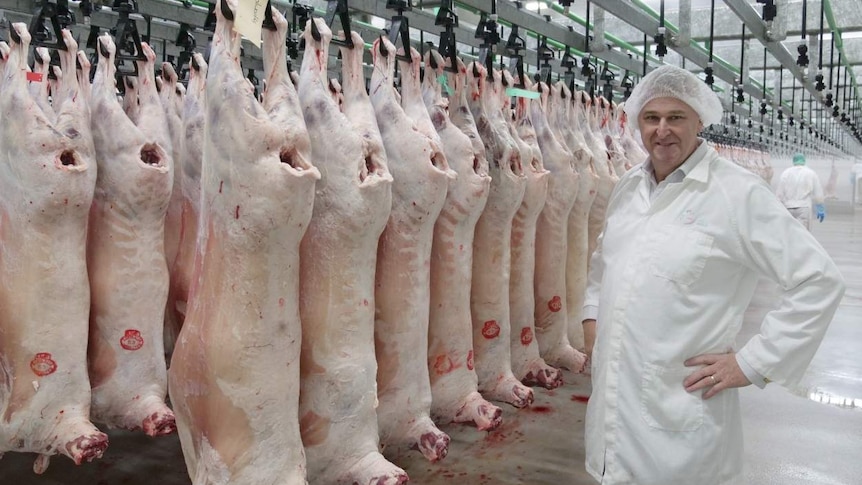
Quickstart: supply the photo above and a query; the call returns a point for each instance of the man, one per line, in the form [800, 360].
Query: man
[797, 188]
[686, 238]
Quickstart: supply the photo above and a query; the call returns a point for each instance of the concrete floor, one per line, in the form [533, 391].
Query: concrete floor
[809, 435]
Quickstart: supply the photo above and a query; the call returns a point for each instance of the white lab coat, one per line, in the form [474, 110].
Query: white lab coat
[672, 280]
[798, 187]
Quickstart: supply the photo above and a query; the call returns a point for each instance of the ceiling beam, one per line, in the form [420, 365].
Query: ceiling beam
[746, 12]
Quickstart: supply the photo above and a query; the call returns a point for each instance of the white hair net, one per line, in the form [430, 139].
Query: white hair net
[674, 82]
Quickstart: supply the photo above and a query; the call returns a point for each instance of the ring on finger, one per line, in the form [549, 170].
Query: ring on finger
[714, 382]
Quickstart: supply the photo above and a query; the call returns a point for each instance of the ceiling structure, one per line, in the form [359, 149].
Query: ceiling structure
[761, 70]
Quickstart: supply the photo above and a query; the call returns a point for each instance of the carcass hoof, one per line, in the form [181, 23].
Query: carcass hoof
[489, 417]
[434, 445]
[87, 448]
[521, 396]
[159, 424]
[550, 378]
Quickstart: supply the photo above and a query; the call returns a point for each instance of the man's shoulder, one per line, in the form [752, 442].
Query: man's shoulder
[734, 180]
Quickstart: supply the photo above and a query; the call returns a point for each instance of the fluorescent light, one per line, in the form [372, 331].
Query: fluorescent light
[534, 6]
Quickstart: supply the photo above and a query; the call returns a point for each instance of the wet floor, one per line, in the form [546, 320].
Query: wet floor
[811, 435]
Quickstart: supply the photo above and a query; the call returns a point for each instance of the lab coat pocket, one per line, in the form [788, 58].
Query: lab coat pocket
[682, 254]
[665, 404]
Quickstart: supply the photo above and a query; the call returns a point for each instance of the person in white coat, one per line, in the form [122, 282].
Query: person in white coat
[798, 187]
[687, 236]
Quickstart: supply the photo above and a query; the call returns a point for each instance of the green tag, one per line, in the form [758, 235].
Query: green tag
[444, 81]
[522, 93]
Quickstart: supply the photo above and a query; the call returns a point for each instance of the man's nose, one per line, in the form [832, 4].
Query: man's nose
[663, 127]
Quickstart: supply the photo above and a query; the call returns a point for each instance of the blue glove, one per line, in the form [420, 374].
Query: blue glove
[821, 212]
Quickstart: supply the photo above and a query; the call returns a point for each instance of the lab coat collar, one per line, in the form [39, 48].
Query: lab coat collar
[691, 168]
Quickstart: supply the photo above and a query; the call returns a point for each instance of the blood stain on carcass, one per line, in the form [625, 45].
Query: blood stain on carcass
[220, 186]
[470, 362]
[364, 302]
[43, 364]
[556, 304]
[236, 213]
[541, 409]
[491, 330]
[281, 302]
[132, 340]
[578, 398]
[526, 335]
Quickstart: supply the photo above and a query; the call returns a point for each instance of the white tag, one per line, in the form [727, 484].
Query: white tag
[248, 19]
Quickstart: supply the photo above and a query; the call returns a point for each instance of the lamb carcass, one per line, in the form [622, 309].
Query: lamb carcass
[552, 329]
[338, 257]
[40, 82]
[234, 376]
[489, 298]
[564, 114]
[604, 167]
[635, 154]
[189, 170]
[174, 213]
[125, 254]
[403, 291]
[47, 178]
[454, 385]
[527, 364]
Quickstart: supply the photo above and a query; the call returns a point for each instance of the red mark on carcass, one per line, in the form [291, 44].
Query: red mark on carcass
[470, 360]
[281, 302]
[556, 304]
[526, 335]
[132, 340]
[443, 365]
[364, 302]
[220, 185]
[491, 329]
[43, 365]
[578, 398]
[236, 213]
[34, 77]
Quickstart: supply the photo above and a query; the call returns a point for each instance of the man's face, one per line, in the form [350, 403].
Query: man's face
[669, 129]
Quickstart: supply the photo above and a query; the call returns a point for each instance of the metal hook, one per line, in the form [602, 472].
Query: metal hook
[104, 51]
[195, 65]
[476, 72]
[268, 22]
[432, 61]
[225, 10]
[13, 34]
[382, 47]
[315, 32]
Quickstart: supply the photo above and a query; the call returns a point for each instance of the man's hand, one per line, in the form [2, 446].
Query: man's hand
[589, 337]
[720, 372]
